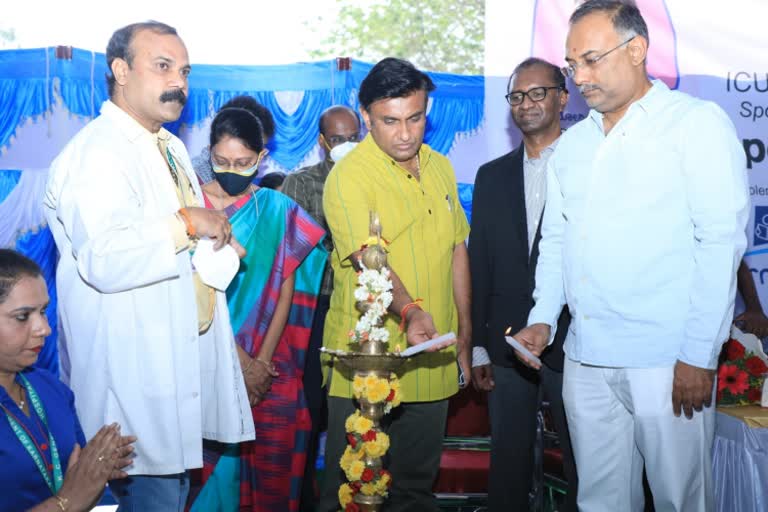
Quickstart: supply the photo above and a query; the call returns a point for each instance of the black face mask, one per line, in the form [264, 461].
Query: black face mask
[233, 184]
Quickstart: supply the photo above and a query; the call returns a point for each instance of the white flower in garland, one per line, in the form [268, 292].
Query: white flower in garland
[364, 324]
[374, 291]
[386, 299]
[379, 334]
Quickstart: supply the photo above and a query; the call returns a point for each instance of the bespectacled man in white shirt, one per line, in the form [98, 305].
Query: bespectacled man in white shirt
[642, 235]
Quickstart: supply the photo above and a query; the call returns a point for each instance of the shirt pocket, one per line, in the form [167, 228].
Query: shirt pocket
[653, 168]
[439, 226]
[396, 222]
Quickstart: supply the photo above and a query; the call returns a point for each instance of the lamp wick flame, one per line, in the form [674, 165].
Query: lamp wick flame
[506, 333]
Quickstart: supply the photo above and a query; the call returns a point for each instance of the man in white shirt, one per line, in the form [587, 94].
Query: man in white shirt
[642, 235]
[149, 345]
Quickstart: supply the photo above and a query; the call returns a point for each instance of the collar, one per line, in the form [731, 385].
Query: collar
[129, 126]
[325, 166]
[545, 153]
[5, 397]
[369, 145]
[652, 101]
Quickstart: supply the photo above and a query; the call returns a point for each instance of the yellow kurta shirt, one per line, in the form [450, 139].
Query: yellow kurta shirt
[423, 221]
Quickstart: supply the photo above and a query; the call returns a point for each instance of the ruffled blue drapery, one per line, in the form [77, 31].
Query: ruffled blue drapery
[24, 89]
[27, 79]
[32, 80]
[82, 86]
[293, 138]
[38, 244]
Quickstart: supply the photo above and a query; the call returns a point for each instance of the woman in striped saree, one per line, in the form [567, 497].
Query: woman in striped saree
[271, 301]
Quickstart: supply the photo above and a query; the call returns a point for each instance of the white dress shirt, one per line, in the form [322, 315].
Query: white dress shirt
[643, 232]
[128, 315]
[535, 183]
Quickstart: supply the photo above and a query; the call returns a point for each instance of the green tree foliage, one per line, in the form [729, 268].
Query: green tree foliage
[7, 37]
[433, 34]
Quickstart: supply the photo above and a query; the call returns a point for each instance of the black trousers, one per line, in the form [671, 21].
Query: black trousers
[315, 395]
[513, 405]
[416, 433]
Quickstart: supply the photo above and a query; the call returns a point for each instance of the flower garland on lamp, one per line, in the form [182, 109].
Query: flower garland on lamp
[375, 386]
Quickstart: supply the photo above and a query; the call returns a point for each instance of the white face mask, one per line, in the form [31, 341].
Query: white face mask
[341, 150]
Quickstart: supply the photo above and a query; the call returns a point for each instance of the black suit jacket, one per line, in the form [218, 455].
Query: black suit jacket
[503, 273]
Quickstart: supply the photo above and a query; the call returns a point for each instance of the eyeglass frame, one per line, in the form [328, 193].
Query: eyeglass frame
[342, 139]
[528, 94]
[569, 71]
[246, 171]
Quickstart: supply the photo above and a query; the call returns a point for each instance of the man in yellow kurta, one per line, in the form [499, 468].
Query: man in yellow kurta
[413, 189]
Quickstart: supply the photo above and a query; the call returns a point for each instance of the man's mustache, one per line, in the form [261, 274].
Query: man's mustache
[174, 95]
[587, 87]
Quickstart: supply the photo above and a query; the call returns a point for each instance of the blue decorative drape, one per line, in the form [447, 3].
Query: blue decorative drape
[27, 79]
[40, 247]
[81, 81]
[24, 89]
[293, 137]
[465, 198]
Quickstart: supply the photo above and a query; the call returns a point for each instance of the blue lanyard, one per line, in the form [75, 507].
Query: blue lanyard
[52, 474]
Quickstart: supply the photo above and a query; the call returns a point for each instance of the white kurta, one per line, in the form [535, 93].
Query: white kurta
[127, 305]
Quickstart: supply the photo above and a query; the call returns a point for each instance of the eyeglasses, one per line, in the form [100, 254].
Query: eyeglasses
[536, 94]
[241, 170]
[570, 70]
[335, 140]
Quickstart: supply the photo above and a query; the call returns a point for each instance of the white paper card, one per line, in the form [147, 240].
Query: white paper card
[520, 348]
[421, 347]
[764, 399]
[750, 342]
[216, 268]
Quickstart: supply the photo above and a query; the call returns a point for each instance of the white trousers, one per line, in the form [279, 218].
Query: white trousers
[621, 419]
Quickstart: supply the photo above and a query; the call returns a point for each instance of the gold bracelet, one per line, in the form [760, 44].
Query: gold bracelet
[270, 365]
[248, 366]
[63, 503]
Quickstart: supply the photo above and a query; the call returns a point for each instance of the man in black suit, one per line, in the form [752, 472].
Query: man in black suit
[503, 246]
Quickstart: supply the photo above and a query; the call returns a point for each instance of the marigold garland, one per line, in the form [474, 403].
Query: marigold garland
[364, 440]
[375, 389]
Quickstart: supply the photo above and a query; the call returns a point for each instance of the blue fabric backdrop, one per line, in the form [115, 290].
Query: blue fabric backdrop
[40, 247]
[28, 79]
